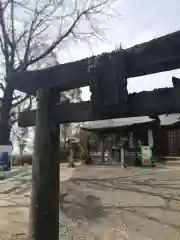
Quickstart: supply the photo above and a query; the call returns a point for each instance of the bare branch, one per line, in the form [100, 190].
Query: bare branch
[2, 46]
[41, 31]
[2, 87]
[2, 24]
[55, 43]
[5, 5]
[16, 97]
[30, 37]
[13, 35]
[21, 36]
[21, 101]
[35, 24]
[4, 33]
[60, 38]
[17, 106]
[13, 121]
[30, 104]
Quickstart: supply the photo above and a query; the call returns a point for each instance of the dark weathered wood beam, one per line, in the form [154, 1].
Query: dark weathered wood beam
[161, 54]
[152, 103]
[44, 222]
[158, 55]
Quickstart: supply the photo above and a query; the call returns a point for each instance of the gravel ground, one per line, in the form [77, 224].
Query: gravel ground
[114, 203]
[102, 202]
[14, 204]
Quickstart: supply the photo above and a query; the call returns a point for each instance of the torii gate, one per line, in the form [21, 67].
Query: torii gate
[109, 89]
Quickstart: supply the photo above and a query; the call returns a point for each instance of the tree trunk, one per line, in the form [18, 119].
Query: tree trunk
[21, 158]
[5, 128]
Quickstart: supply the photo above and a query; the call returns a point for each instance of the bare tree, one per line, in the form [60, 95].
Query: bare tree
[73, 95]
[20, 136]
[64, 130]
[33, 30]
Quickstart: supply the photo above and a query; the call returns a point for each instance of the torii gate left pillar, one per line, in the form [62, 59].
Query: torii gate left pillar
[44, 209]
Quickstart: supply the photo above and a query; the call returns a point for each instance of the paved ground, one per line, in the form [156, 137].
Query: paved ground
[102, 200]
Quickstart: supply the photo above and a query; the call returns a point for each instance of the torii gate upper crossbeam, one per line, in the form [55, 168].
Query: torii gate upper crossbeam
[161, 54]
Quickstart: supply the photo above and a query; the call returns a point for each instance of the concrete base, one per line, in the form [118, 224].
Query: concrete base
[172, 163]
[169, 160]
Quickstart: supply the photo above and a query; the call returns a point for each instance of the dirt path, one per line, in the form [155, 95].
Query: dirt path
[103, 202]
[14, 204]
[123, 204]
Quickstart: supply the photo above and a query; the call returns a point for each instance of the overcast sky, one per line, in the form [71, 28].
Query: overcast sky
[141, 20]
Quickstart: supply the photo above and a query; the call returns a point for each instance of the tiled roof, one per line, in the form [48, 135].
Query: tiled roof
[169, 119]
[122, 122]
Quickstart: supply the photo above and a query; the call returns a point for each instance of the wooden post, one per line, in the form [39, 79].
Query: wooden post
[45, 173]
[117, 139]
[150, 138]
[102, 148]
[71, 157]
[88, 146]
[122, 157]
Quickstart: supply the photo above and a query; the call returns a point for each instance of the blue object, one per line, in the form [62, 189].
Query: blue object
[5, 161]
